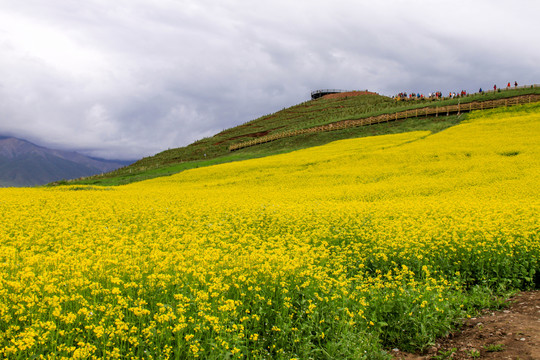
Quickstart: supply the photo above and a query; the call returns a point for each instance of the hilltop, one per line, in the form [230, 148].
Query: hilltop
[321, 112]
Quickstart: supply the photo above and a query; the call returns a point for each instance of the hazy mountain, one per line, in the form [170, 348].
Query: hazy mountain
[25, 164]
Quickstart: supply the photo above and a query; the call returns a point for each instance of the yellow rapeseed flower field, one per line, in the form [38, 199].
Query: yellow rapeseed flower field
[333, 252]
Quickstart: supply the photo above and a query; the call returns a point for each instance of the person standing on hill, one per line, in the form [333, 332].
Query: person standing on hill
[494, 87]
[515, 84]
[508, 86]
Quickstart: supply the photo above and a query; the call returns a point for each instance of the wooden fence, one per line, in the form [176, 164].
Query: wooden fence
[426, 111]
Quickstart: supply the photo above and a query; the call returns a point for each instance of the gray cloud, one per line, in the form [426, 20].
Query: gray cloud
[130, 78]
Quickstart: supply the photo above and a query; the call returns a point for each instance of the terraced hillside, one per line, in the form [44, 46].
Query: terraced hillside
[327, 110]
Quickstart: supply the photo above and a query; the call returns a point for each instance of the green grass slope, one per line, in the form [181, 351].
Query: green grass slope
[215, 149]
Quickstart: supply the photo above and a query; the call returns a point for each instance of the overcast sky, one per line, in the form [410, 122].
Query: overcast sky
[125, 79]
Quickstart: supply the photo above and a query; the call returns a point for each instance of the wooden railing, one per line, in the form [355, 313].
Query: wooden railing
[426, 111]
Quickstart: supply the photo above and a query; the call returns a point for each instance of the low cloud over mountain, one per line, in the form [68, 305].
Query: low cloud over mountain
[25, 164]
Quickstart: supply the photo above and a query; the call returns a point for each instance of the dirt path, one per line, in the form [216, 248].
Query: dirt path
[348, 94]
[513, 333]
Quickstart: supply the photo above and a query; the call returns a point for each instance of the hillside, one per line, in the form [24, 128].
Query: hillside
[320, 112]
[23, 163]
[343, 251]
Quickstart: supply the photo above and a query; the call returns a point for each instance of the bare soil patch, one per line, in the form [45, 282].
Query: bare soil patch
[512, 333]
[348, 94]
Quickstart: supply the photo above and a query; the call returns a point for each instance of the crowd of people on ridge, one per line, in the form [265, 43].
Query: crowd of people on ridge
[438, 95]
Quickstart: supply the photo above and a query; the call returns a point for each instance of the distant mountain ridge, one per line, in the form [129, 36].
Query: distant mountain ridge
[23, 163]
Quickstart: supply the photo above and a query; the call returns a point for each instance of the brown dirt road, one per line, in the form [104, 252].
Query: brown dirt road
[512, 333]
